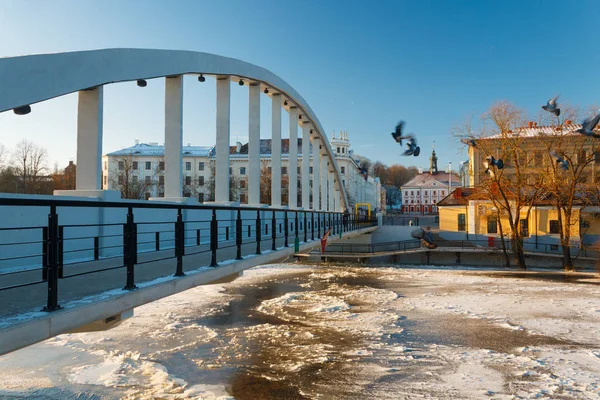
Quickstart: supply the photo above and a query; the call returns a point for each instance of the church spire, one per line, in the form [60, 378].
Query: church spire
[433, 169]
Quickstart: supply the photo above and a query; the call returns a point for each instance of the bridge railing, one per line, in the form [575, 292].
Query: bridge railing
[56, 250]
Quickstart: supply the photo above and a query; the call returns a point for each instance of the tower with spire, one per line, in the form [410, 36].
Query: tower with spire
[433, 168]
[340, 145]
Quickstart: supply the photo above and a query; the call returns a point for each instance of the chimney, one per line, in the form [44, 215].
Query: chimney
[568, 122]
[535, 124]
[71, 162]
[238, 147]
[458, 193]
[531, 124]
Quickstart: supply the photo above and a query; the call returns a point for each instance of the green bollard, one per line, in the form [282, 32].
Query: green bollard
[297, 244]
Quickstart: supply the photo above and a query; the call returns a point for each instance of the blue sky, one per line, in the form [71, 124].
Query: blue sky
[362, 66]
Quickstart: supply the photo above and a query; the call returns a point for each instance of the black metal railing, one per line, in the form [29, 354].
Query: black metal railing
[64, 240]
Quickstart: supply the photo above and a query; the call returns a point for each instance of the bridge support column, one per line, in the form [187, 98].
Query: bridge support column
[330, 192]
[254, 144]
[222, 142]
[89, 139]
[324, 181]
[293, 157]
[276, 151]
[306, 165]
[316, 173]
[173, 136]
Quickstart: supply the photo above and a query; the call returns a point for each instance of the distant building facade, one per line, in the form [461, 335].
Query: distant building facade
[145, 163]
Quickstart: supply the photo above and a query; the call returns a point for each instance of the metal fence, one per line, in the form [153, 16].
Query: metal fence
[131, 235]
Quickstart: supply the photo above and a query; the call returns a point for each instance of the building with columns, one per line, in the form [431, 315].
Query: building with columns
[143, 165]
[422, 193]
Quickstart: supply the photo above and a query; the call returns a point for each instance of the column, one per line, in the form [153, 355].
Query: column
[222, 142]
[316, 158]
[293, 163]
[89, 139]
[324, 181]
[276, 150]
[330, 191]
[173, 136]
[306, 165]
[254, 144]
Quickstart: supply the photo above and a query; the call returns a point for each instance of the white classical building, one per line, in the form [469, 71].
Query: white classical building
[144, 165]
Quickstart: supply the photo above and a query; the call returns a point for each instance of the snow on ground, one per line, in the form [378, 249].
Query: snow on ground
[359, 335]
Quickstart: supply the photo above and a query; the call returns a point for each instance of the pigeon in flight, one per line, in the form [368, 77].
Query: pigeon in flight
[397, 134]
[587, 127]
[552, 106]
[470, 142]
[363, 171]
[491, 161]
[413, 149]
[560, 160]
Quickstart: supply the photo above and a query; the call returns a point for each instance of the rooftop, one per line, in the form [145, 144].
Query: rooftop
[533, 130]
[154, 149]
[426, 179]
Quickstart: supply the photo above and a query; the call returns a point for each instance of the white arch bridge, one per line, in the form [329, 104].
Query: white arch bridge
[83, 254]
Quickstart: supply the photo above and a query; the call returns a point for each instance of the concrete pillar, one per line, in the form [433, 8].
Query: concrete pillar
[330, 191]
[306, 165]
[293, 163]
[254, 144]
[89, 139]
[316, 158]
[173, 136]
[324, 181]
[222, 142]
[276, 151]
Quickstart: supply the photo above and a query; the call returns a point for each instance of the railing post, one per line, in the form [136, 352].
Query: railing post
[197, 237]
[331, 223]
[312, 225]
[296, 226]
[305, 229]
[214, 239]
[52, 251]
[179, 243]
[128, 248]
[238, 235]
[96, 248]
[286, 230]
[258, 232]
[61, 251]
[273, 232]
[157, 241]
[45, 253]
[319, 225]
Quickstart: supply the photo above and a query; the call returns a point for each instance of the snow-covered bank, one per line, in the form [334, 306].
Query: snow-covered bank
[333, 332]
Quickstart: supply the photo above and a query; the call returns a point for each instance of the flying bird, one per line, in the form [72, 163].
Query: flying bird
[470, 142]
[363, 171]
[397, 134]
[491, 161]
[552, 106]
[560, 160]
[413, 149]
[587, 127]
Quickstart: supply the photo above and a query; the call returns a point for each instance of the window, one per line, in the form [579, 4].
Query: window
[524, 227]
[462, 222]
[201, 166]
[538, 158]
[343, 182]
[338, 149]
[242, 170]
[121, 165]
[105, 180]
[242, 184]
[299, 171]
[230, 171]
[148, 180]
[188, 180]
[269, 169]
[343, 169]
[492, 224]
[412, 192]
[554, 226]
[201, 197]
[161, 194]
[310, 169]
[443, 192]
[106, 165]
[121, 180]
[283, 170]
[581, 156]
[310, 183]
[148, 165]
[200, 181]
[161, 165]
[161, 180]
[188, 166]
[597, 157]
[134, 179]
[146, 195]
[406, 202]
[135, 165]
[242, 198]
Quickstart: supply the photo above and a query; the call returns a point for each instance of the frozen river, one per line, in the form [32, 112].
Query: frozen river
[325, 332]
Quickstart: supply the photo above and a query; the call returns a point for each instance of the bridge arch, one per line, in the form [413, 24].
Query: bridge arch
[30, 79]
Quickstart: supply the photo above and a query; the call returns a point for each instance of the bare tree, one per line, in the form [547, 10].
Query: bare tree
[234, 185]
[126, 178]
[29, 162]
